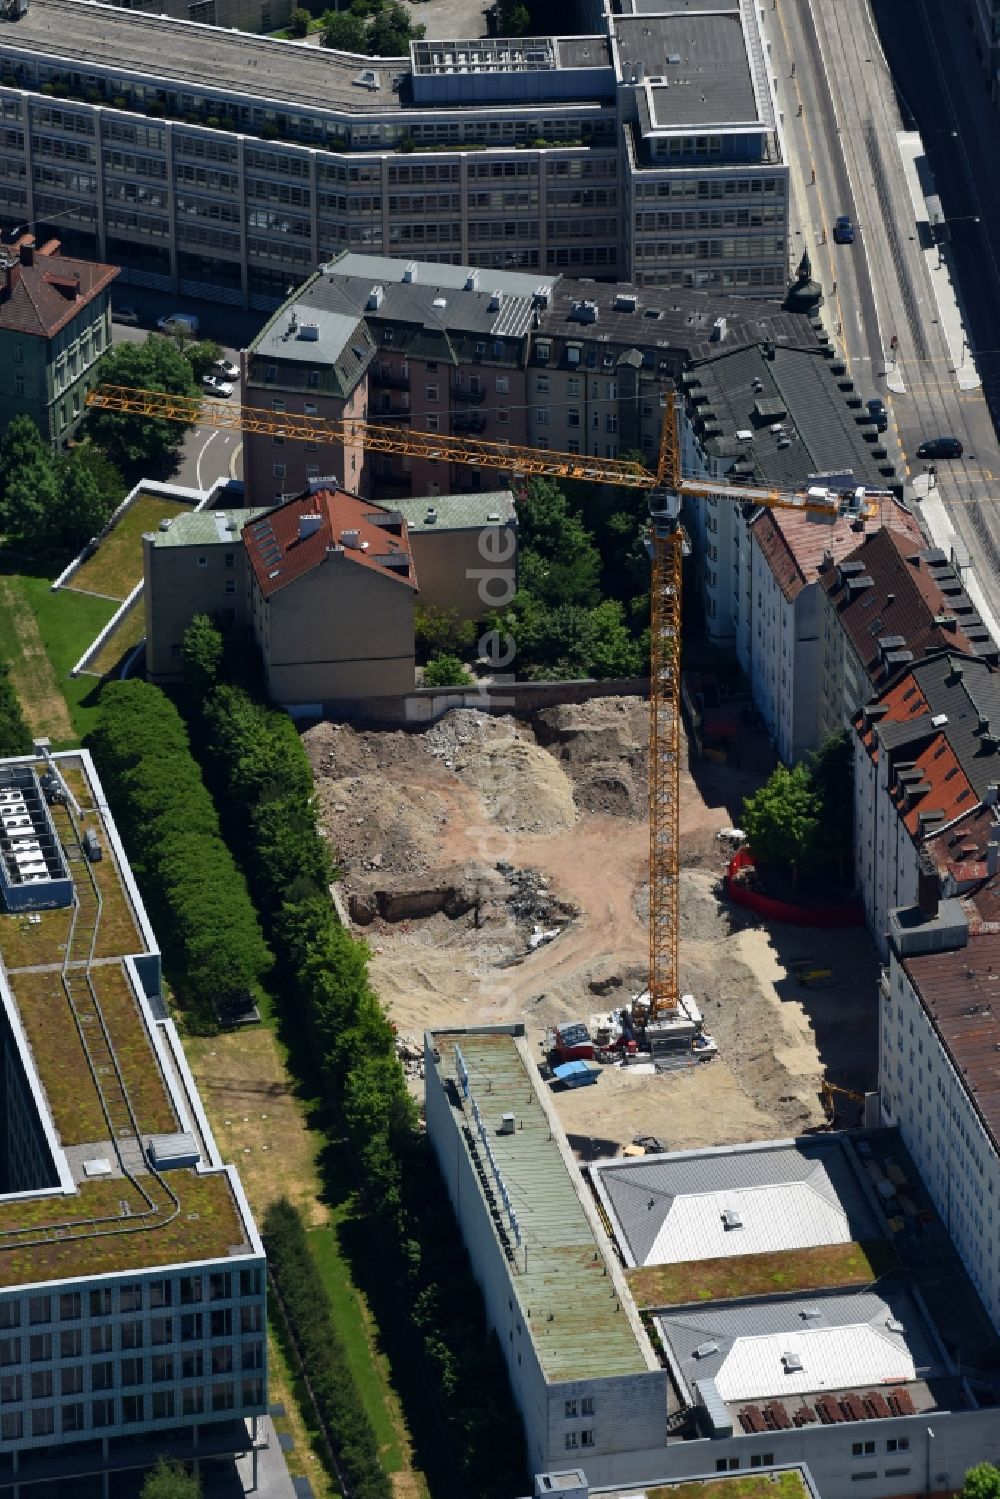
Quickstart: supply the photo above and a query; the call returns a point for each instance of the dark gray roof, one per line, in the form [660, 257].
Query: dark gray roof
[339, 355]
[673, 326]
[825, 436]
[702, 58]
[642, 1193]
[968, 702]
[207, 57]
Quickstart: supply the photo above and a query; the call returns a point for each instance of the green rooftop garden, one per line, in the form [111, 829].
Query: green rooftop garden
[206, 1227]
[786, 1485]
[116, 566]
[819, 1267]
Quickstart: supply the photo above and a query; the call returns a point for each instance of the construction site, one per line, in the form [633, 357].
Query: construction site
[506, 878]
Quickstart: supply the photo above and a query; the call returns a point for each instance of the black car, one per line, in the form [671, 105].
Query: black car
[940, 447]
[877, 414]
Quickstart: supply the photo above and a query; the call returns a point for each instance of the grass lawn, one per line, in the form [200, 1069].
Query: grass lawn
[813, 1269]
[747, 1486]
[354, 1326]
[127, 633]
[258, 1118]
[42, 635]
[116, 566]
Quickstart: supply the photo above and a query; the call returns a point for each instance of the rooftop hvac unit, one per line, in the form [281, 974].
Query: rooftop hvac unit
[791, 1363]
[309, 331]
[496, 300]
[731, 1219]
[472, 281]
[626, 302]
[718, 330]
[508, 1124]
[410, 271]
[375, 298]
[584, 312]
[705, 1350]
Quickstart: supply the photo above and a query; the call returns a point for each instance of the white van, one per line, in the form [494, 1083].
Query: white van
[178, 322]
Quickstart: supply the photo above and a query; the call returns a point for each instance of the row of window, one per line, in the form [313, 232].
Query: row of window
[105, 1374]
[190, 1327]
[130, 1410]
[132, 1296]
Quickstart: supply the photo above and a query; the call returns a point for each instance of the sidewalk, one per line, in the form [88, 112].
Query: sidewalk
[937, 259]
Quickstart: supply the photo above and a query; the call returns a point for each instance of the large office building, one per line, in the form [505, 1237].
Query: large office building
[638, 1316]
[216, 163]
[132, 1277]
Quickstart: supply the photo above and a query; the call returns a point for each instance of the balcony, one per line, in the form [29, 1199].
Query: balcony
[467, 422]
[390, 414]
[467, 394]
[388, 379]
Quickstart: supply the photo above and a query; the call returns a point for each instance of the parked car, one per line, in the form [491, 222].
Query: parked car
[178, 322]
[940, 447]
[877, 414]
[217, 387]
[226, 370]
[124, 315]
[843, 230]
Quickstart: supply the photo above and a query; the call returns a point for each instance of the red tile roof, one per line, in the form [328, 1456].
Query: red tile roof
[279, 554]
[40, 298]
[795, 543]
[943, 787]
[903, 602]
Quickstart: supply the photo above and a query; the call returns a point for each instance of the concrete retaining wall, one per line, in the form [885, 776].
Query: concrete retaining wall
[425, 705]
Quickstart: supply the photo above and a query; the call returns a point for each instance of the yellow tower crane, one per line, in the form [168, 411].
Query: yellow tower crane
[666, 488]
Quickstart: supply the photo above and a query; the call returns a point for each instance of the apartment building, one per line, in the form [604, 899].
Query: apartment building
[132, 1277]
[938, 1038]
[765, 404]
[246, 15]
[554, 362]
[209, 162]
[783, 662]
[55, 323]
[886, 604]
[926, 755]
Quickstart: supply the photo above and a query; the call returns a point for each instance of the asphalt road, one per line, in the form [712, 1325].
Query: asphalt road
[941, 88]
[207, 454]
[879, 287]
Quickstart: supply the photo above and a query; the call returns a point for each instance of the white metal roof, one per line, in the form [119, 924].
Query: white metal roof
[785, 1215]
[832, 1358]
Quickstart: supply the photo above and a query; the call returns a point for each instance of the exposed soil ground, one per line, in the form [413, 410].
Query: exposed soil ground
[420, 823]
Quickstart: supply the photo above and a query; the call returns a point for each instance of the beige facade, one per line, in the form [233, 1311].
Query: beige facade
[194, 572]
[341, 630]
[464, 550]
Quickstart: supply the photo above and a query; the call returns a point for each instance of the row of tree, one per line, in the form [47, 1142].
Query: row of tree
[262, 781]
[15, 735]
[306, 1307]
[372, 28]
[214, 951]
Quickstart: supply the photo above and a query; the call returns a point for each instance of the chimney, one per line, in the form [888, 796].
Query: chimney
[993, 853]
[27, 254]
[955, 675]
[309, 525]
[928, 888]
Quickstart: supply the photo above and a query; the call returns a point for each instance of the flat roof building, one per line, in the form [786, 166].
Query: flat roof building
[650, 149]
[821, 1344]
[132, 1276]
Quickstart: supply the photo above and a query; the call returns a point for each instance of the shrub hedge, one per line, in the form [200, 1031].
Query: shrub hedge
[213, 946]
[258, 768]
[304, 1298]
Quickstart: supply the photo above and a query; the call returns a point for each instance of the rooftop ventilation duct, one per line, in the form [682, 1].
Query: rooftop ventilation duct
[375, 298]
[410, 271]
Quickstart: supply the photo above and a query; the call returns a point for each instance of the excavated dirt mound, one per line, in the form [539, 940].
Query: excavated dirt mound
[498, 871]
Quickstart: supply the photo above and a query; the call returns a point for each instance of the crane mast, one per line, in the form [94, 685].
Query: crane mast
[667, 544]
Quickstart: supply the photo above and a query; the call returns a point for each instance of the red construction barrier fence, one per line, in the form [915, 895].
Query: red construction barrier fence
[780, 910]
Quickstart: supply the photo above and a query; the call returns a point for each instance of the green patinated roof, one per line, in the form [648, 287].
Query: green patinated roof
[455, 512]
[563, 1284]
[206, 528]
